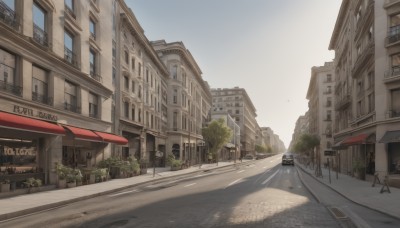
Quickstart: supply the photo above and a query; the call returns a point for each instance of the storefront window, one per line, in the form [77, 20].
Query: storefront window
[394, 158]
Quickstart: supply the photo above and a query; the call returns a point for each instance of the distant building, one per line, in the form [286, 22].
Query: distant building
[234, 143]
[239, 105]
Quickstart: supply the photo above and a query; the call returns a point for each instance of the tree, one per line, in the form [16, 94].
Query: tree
[306, 143]
[261, 149]
[217, 134]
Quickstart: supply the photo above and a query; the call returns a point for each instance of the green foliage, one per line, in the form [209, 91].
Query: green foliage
[32, 182]
[217, 134]
[358, 166]
[263, 149]
[306, 143]
[171, 161]
[61, 171]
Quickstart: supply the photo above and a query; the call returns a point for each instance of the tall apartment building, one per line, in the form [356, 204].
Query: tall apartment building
[300, 128]
[189, 101]
[367, 60]
[232, 148]
[55, 86]
[140, 84]
[320, 96]
[239, 105]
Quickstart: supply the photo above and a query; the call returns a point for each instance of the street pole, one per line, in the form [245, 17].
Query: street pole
[329, 170]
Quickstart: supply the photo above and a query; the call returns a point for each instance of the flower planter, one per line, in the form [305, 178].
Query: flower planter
[71, 185]
[4, 187]
[62, 183]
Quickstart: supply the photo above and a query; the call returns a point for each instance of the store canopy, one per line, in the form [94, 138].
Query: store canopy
[390, 136]
[358, 139]
[108, 137]
[339, 145]
[12, 121]
[84, 134]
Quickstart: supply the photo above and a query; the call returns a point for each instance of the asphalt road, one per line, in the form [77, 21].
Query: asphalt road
[263, 194]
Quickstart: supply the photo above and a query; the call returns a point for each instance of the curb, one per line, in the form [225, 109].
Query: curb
[306, 185]
[349, 198]
[36, 209]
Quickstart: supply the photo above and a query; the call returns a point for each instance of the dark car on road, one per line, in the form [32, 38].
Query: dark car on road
[287, 159]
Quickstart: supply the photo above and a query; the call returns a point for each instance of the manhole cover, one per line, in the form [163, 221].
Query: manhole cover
[337, 213]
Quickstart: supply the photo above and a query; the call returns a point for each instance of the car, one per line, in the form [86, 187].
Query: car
[287, 159]
[261, 156]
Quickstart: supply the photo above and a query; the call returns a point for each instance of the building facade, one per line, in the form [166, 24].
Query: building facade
[189, 102]
[300, 128]
[239, 105]
[140, 84]
[320, 96]
[55, 86]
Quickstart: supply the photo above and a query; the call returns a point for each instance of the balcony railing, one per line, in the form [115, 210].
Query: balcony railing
[40, 36]
[8, 16]
[42, 98]
[10, 88]
[71, 107]
[70, 57]
[69, 11]
[93, 114]
[393, 72]
[393, 113]
[343, 102]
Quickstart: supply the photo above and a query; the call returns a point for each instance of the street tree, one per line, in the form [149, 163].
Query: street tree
[217, 134]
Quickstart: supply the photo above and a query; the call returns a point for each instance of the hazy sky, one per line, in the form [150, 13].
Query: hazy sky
[264, 46]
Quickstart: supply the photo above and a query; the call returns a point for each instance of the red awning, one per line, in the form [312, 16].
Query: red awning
[355, 140]
[108, 137]
[12, 121]
[84, 134]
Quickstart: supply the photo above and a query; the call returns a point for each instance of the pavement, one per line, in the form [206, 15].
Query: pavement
[34, 202]
[358, 191]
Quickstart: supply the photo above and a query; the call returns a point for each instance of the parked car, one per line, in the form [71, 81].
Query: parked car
[287, 159]
[261, 156]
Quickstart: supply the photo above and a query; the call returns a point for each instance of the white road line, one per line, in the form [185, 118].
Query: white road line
[233, 182]
[241, 171]
[189, 185]
[269, 178]
[121, 193]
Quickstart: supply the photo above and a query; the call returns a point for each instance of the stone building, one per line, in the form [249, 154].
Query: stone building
[320, 96]
[189, 102]
[55, 86]
[239, 105]
[140, 84]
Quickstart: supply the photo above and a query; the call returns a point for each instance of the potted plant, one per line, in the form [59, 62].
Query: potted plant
[71, 180]
[61, 171]
[32, 184]
[175, 164]
[5, 185]
[78, 177]
[358, 169]
[135, 167]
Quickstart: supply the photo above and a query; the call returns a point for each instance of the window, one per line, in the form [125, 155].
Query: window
[114, 50]
[371, 102]
[140, 115]
[92, 29]
[183, 100]
[92, 61]
[328, 115]
[126, 57]
[237, 111]
[114, 74]
[133, 87]
[69, 54]
[237, 119]
[174, 72]
[140, 69]
[395, 64]
[328, 77]
[175, 121]
[184, 79]
[126, 109]
[395, 102]
[133, 113]
[93, 105]
[133, 63]
[70, 7]
[328, 101]
[394, 29]
[39, 25]
[147, 75]
[371, 79]
[175, 96]
[70, 97]
[7, 73]
[39, 86]
[126, 83]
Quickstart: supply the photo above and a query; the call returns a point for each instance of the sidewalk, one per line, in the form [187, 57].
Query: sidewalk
[34, 202]
[361, 192]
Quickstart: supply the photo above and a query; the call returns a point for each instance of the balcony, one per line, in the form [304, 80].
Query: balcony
[366, 16]
[96, 76]
[42, 98]
[392, 75]
[40, 36]
[10, 88]
[328, 104]
[70, 11]
[70, 57]
[343, 102]
[8, 16]
[363, 58]
[72, 107]
[393, 113]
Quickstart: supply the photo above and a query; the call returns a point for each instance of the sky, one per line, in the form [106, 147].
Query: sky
[266, 47]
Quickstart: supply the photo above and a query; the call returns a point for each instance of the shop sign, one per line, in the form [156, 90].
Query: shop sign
[30, 112]
[21, 151]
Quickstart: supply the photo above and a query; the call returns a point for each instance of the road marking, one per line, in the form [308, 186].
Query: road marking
[189, 185]
[269, 178]
[232, 183]
[121, 193]
[241, 171]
